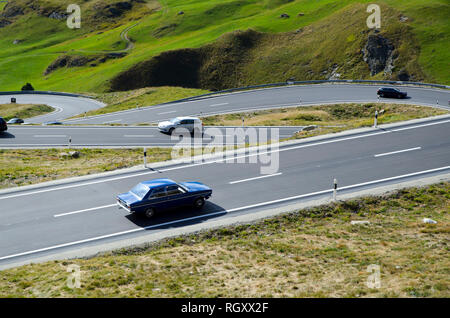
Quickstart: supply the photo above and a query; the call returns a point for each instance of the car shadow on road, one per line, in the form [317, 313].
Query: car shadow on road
[178, 217]
[6, 135]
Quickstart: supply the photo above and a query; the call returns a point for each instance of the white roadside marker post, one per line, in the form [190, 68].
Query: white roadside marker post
[335, 190]
[145, 157]
[243, 121]
[376, 119]
[70, 141]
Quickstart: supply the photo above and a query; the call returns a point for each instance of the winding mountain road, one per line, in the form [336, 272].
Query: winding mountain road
[77, 217]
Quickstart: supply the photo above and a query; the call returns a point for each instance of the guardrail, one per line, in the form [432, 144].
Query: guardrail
[290, 83]
[45, 93]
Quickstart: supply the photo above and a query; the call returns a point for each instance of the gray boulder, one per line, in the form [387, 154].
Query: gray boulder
[74, 154]
[58, 16]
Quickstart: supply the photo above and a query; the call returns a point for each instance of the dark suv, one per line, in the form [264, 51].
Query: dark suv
[391, 92]
[3, 125]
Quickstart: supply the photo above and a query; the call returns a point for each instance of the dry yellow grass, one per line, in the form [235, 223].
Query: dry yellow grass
[29, 166]
[345, 115]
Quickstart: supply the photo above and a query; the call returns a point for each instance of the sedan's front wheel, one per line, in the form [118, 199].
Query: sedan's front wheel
[198, 203]
[150, 213]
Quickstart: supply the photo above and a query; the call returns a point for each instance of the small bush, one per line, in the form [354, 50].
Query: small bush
[27, 87]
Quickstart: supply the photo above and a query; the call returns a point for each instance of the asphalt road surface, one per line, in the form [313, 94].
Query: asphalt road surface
[65, 106]
[50, 219]
[267, 98]
[59, 136]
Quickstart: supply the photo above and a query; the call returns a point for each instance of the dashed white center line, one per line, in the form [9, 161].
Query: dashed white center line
[50, 136]
[173, 111]
[396, 152]
[215, 105]
[85, 210]
[139, 136]
[256, 178]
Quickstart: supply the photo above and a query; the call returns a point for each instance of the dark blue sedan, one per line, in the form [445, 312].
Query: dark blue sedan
[149, 197]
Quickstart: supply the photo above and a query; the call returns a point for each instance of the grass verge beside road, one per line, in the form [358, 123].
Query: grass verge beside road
[327, 118]
[8, 111]
[29, 166]
[313, 252]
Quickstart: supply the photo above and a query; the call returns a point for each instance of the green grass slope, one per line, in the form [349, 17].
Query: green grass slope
[330, 34]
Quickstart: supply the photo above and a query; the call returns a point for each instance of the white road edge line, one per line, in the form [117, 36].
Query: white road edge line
[85, 210]
[256, 178]
[396, 152]
[172, 111]
[217, 213]
[112, 121]
[219, 160]
[222, 104]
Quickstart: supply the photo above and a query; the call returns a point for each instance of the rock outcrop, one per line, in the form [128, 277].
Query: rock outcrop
[113, 10]
[78, 61]
[58, 16]
[379, 54]
[11, 11]
[4, 22]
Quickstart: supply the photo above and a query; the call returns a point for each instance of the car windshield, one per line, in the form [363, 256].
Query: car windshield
[174, 120]
[140, 190]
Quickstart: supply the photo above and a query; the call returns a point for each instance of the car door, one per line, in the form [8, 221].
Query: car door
[157, 199]
[182, 124]
[187, 124]
[176, 196]
[392, 92]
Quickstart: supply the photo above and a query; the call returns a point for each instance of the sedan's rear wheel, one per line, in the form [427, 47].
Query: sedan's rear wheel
[149, 213]
[199, 202]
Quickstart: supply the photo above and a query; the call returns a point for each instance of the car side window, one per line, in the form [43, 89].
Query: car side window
[158, 193]
[183, 122]
[173, 190]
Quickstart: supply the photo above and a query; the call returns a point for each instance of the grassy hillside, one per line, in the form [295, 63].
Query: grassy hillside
[307, 46]
[309, 253]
